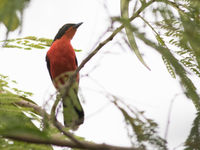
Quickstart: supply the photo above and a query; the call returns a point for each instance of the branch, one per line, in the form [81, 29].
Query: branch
[60, 142]
[42, 112]
[97, 49]
[37, 109]
[68, 134]
[73, 142]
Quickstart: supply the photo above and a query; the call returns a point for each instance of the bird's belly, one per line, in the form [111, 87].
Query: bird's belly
[60, 70]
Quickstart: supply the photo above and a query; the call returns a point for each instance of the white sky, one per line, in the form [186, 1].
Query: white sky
[117, 70]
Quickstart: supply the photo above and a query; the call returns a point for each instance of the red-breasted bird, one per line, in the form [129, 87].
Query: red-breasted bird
[61, 61]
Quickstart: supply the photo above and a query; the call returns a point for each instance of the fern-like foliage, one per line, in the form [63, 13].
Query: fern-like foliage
[169, 67]
[13, 119]
[193, 140]
[183, 32]
[142, 131]
[27, 43]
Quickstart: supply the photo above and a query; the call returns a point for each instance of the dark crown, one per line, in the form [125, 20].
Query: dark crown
[62, 30]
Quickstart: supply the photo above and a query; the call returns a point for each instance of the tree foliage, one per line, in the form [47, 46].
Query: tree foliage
[11, 13]
[15, 119]
[176, 29]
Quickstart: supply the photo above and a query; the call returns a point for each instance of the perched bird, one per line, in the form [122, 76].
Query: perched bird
[61, 61]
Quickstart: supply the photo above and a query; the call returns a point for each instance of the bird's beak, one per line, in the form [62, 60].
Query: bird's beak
[77, 25]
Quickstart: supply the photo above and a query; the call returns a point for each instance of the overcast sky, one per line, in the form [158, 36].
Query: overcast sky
[116, 70]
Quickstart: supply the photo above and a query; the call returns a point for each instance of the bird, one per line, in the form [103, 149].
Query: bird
[61, 62]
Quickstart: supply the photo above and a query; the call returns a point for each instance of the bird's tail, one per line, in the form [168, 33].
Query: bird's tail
[73, 113]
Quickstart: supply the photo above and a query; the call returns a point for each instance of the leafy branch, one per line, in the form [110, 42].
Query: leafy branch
[15, 125]
[27, 43]
[56, 140]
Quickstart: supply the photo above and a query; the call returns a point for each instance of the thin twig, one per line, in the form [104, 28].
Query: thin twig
[53, 109]
[169, 116]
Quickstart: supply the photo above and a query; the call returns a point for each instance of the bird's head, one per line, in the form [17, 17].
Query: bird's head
[68, 30]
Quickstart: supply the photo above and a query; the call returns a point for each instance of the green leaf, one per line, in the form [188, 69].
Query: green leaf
[11, 23]
[78, 50]
[3, 83]
[14, 122]
[125, 16]
[169, 67]
[11, 12]
[8, 98]
[193, 140]
[12, 118]
[6, 89]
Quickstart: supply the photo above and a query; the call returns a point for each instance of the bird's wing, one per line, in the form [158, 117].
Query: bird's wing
[48, 66]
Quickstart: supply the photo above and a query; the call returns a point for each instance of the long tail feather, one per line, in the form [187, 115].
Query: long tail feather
[73, 113]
